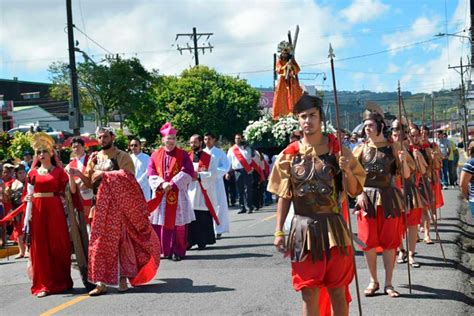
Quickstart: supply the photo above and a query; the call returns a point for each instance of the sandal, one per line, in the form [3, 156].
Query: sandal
[413, 263]
[99, 290]
[390, 291]
[428, 241]
[19, 257]
[402, 256]
[371, 289]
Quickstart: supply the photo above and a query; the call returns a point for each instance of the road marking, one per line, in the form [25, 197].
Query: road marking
[263, 220]
[65, 305]
[269, 217]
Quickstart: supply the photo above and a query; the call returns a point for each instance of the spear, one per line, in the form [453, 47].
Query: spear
[433, 138]
[402, 180]
[344, 181]
[430, 211]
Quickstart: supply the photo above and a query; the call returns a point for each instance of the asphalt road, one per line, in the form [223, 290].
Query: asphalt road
[242, 274]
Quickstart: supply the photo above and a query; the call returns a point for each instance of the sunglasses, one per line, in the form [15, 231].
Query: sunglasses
[43, 151]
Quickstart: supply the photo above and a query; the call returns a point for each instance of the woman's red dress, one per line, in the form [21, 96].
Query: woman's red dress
[50, 250]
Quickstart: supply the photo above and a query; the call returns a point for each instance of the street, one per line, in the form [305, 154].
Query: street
[243, 274]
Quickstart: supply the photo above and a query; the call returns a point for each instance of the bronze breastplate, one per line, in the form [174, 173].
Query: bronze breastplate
[315, 183]
[104, 165]
[380, 166]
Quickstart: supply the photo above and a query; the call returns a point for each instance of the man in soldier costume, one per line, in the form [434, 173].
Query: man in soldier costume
[379, 208]
[308, 173]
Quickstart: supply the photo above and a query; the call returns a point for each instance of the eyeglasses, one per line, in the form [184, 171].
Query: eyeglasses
[42, 151]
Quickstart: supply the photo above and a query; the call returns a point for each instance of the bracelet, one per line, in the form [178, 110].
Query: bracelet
[279, 233]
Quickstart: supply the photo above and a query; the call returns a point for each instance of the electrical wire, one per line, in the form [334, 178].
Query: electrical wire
[92, 40]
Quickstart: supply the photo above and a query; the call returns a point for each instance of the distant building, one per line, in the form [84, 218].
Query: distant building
[29, 103]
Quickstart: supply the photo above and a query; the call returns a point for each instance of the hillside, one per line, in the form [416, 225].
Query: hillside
[352, 104]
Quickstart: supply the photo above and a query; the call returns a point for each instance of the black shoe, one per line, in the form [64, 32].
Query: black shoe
[175, 257]
[219, 236]
[242, 212]
[250, 211]
[202, 247]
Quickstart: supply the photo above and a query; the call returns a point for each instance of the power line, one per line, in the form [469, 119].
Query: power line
[92, 40]
[345, 58]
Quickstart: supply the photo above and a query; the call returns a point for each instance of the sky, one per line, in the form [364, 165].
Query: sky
[376, 42]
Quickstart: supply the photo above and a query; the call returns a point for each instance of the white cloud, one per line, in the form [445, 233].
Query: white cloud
[364, 10]
[421, 29]
[433, 74]
[392, 68]
[246, 33]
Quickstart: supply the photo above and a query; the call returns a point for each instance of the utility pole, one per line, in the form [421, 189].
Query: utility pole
[463, 101]
[195, 37]
[75, 121]
[472, 33]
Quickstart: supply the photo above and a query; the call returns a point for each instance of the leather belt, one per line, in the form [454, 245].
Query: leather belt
[44, 194]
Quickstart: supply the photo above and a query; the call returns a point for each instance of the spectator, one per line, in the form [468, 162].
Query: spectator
[445, 149]
[467, 180]
[27, 160]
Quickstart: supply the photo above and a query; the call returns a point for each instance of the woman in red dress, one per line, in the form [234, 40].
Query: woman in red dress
[50, 251]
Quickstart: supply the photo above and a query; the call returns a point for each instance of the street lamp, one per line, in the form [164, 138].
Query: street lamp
[455, 35]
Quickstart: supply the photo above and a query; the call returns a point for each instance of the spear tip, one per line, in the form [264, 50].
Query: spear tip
[331, 52]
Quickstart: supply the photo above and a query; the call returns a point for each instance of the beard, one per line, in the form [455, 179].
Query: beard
[108, 146]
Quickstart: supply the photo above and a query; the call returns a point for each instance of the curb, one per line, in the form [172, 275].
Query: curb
[9, 251]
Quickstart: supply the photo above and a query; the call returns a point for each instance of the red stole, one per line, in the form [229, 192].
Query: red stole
[175, 166]
[203, 165]
[258, 170]
[241, 158]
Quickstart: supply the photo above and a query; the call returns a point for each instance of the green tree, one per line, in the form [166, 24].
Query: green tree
[19, 144]
[117, 85]
[5, 143]
[198, 101]
[121, 141]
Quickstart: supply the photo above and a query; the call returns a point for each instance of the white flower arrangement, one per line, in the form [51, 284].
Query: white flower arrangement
[258, 131]
[266, 132]
[283, 128]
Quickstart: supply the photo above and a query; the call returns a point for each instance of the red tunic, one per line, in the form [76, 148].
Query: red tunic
[50, 250]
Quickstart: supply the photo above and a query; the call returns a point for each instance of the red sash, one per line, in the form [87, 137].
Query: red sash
[175, 166]
[73, 164]
[241, 158]
[204, 163]
[259, 170]
[267, 167]
[14, 213]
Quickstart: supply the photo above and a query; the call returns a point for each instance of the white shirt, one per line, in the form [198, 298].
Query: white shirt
[234, 162]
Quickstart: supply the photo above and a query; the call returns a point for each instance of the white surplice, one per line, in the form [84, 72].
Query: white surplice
[221, 164]
[208, 182]
[141, 162]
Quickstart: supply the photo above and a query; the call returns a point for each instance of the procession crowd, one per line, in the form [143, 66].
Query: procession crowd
[141, 209]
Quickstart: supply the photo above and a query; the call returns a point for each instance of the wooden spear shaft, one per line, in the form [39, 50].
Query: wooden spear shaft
[402, 181]
[344, 180]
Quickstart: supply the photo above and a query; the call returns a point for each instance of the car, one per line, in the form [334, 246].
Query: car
[58, 136]
[25, 128]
